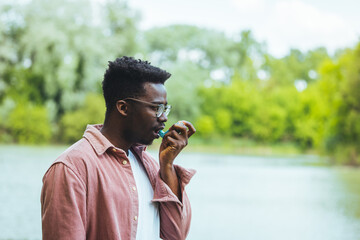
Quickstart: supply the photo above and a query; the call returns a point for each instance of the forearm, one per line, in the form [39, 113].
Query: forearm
[175, 215]
[175, 219]
[169, 176]
[173, 143]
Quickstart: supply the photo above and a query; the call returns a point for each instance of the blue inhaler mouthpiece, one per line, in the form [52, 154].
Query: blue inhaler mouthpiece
[162, 133]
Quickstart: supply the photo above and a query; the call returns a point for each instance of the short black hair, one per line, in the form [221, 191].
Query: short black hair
[125, 77]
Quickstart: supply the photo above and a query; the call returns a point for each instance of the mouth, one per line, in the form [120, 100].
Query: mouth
[157, 130]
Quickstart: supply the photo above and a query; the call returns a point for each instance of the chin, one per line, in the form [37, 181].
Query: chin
[146, 142]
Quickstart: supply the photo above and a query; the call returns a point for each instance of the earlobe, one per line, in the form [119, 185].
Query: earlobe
[121, 107]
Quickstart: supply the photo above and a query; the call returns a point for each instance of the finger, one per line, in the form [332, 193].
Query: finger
[190, 127]
[177, 134]
[179, 140]
[180, 128]
[170, 142]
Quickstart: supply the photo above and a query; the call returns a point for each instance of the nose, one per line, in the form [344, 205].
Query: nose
[163, 118]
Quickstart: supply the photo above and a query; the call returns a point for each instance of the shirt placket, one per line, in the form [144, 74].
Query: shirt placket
[131, 184]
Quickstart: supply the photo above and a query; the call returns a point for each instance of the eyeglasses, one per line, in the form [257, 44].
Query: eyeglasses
[160, 108]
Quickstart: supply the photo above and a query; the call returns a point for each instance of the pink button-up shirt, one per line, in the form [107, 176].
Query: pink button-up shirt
[88, 193]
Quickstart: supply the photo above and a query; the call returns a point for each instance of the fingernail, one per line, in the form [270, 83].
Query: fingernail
[180, 123]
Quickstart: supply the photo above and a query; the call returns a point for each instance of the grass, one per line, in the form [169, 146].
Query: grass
[223, 145]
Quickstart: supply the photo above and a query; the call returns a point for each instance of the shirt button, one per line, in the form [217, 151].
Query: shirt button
[135, 218]
[134, 188]
[124, 162]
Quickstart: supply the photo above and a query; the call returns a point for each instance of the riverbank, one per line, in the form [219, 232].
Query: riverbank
[240, 146]
[219, 145]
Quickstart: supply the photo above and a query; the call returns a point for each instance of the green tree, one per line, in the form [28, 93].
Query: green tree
[295, 66]
[73, 124]
[310, 123]
[205, 126]
[29, 124]
[340, 84]
[60, 48]
[53, 53]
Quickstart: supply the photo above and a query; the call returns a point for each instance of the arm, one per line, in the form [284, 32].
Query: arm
[175, 211]
[175, 216]
[63, 204]
[173, 143]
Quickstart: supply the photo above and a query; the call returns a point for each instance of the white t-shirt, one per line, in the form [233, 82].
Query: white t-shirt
[149, 219]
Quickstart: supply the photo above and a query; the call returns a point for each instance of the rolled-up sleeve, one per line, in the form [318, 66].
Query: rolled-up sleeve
[63, 204]
[175, 216]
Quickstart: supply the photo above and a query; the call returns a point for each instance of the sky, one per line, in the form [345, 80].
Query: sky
[280, 24]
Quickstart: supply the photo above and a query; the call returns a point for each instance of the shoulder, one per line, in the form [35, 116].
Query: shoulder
[78, 158]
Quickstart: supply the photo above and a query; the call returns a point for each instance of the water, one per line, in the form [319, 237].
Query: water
[232, 197]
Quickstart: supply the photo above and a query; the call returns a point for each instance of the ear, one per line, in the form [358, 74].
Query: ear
[122, 108]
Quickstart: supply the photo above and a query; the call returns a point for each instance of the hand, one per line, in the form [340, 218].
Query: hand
[174, 141]
[172, 144]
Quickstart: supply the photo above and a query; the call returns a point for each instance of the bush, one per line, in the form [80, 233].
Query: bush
[73, 124]
[269, 123]
[310, 124]
[205, 126]
[346, 154]
[29, 124]
[223, 121]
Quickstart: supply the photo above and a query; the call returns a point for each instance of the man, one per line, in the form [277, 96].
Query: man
[106, 186]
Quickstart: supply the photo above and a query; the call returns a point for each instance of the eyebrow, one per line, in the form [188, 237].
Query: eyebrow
[158, 102]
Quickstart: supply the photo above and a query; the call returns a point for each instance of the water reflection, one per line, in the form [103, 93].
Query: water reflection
[233, 197]
[271, 198]
[349, 178]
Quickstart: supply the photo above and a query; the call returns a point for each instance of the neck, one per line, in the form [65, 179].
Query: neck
[115, 135]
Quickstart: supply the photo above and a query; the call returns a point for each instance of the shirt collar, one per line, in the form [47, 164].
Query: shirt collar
[97, 140]
[101, 144]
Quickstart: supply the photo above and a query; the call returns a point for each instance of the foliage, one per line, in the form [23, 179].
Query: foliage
[58, 52]
[199, 57]
[29, 124]
[182, 90]
[242, 109]
[295, 66]
[205, 126]
[340, 84]
[73, 124]
[53, 55]
[223, 121]
[309, 125]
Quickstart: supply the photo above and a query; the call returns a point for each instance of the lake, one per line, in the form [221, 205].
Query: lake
[232, 197]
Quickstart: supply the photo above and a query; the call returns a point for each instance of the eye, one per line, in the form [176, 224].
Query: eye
[157, 107]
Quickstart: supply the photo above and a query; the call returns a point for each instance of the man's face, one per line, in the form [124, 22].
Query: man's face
[142, 121]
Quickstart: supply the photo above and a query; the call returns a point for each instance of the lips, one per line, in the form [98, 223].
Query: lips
[156, 131]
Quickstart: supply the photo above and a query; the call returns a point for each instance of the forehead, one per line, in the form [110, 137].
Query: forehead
[155, 92]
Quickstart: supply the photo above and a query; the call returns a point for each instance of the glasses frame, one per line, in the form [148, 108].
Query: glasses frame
[160, 108]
